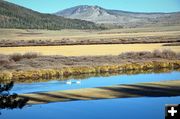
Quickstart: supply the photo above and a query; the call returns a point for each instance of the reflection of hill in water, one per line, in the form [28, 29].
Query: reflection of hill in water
[105, 74]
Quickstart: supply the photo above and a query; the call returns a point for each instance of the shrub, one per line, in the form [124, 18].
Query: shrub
[164, 54]
[135, 55]
[4, 59]
[30, 55]
[157, 53]
[5, 75]
[168, 54]
[16, 56]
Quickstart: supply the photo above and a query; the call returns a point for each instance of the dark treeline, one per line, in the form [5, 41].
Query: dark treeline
[14, 16]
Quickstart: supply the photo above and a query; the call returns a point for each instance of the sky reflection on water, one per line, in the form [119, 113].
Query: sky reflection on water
[124, 108]
[94, 82]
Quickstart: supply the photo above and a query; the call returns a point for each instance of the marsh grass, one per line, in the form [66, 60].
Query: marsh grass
[88, 75]
[166, 54]
[18, 56]
[33, 66]
[75, 71]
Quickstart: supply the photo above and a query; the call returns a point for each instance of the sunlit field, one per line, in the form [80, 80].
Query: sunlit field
[85, 50]
[20, 34]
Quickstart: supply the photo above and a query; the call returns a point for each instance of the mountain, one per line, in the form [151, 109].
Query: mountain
[117, 17]
[14, 16]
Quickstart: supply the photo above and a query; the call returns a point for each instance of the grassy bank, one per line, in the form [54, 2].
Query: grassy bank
[89, 75]
[68, 71]
[31, 66]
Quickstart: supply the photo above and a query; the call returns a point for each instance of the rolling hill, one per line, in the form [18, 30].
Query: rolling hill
[117, 17]
[14, 16]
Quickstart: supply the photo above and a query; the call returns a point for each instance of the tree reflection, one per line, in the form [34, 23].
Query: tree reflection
[10, 101]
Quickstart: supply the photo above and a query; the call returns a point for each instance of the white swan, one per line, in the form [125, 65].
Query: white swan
[78, 82]
[69, 82]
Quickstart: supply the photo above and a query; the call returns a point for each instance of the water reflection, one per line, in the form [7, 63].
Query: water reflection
[54, 85]
[127, 108]
[10, 101]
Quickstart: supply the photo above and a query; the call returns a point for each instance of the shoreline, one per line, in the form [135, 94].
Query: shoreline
[105, 74]
[36, 74]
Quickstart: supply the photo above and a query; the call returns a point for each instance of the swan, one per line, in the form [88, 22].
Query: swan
[69, 82]
[78, 82]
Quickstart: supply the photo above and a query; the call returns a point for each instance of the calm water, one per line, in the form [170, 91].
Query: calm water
[94, 82]
[126, 108]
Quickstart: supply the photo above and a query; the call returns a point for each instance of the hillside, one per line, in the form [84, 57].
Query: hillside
[117, 17]
[14, 16]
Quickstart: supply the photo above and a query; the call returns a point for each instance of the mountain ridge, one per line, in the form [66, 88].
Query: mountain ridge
[15, 16]
[101, 15]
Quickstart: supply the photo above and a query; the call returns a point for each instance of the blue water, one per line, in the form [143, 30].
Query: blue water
[124, 108]
[94, 82]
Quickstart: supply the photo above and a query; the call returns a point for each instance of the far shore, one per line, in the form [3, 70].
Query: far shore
[31, 66]
[79, 70]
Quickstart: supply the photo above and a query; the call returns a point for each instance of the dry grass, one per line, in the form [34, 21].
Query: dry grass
[18, 37]
[34, 66]
[88, 50]
[18, 34]
[29, 61]
[78, 70]
[16, 63]
[18, 56]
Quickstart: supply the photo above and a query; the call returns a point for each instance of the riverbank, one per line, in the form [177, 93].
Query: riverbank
[90, 75]
[153, 89]
[75, 71]
[33, 67]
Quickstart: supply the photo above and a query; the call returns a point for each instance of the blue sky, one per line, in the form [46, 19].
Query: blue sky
[51, 6]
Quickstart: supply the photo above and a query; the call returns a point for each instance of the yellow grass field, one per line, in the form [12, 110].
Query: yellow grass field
[171, 32]
[87, 50]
